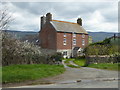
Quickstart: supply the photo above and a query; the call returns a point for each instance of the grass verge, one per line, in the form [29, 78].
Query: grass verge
[107, 66]
[72, 66]
[67, 60]
[80, 62]
[19, 73]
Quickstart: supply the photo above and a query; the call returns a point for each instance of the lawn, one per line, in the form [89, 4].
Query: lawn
[107, 66]
[80, 62]
[19, 73]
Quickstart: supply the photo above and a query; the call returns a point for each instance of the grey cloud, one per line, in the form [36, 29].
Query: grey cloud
[66, 10]
[62, 9]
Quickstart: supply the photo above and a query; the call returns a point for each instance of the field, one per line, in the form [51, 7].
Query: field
[19, 73]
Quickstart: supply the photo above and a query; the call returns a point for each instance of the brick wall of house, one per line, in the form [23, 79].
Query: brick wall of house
[60, 38]
[69, 38]
[48, 37]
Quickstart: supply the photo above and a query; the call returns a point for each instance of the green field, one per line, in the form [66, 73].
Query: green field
[19, 73]
[107, 66]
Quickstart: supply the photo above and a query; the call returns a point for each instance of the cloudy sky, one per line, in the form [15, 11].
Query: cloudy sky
[96, 16]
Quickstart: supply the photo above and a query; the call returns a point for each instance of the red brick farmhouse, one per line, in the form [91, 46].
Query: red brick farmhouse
[65, 37]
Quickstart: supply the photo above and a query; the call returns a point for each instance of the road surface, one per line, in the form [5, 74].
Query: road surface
[83, 77]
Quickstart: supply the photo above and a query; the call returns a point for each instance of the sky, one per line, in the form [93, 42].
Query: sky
[96, 16]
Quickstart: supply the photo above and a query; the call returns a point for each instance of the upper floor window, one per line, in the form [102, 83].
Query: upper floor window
[64, 35]
[74, 41]
[74, 35]
[83, 42]
[64, 41]
[83, 35]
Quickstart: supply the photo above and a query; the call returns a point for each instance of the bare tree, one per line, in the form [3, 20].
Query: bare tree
[5, 18]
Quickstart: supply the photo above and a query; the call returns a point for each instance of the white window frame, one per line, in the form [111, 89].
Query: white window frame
[64, 35]
[83, 42]
[65, 53]
[83, 35]
[64, 41]
[74, 41]
[74, 34]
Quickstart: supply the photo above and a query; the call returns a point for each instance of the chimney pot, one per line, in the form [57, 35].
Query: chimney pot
[48, 17]
[79, 21]
[43, 20]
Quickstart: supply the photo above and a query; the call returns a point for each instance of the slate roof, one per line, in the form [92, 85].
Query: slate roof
[64, 26]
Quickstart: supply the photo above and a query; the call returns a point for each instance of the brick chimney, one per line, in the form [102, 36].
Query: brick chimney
[79, 21]
[48, 17]
[43, 20]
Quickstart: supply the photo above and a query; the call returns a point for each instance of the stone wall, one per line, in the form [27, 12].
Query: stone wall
[101, 59]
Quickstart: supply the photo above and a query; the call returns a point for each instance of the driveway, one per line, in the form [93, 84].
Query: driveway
[83, 77]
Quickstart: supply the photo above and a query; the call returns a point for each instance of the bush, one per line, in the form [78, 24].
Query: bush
[17, 52]
[57, 56]
[101, 49]
[80, 57]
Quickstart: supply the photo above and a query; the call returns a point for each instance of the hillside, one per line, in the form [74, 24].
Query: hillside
[99, 36]
[96, 36]
[20, 34]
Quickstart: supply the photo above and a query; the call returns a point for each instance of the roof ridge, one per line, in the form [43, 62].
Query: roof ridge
[64, 21]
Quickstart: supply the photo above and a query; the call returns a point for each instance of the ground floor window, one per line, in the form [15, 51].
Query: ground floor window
[65, 53]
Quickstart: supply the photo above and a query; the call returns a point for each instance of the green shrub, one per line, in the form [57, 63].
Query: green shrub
[80, 57]
[101, 49]
[57, 56]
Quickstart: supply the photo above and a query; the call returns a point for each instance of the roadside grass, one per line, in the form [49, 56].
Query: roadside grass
[19, 73]
[107, 66]
[0, 74]
[80, 62]
[72, 66]
[69, 59]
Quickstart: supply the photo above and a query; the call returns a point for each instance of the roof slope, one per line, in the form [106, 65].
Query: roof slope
[64, 26]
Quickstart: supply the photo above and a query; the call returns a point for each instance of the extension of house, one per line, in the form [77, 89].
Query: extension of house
[65, 37]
